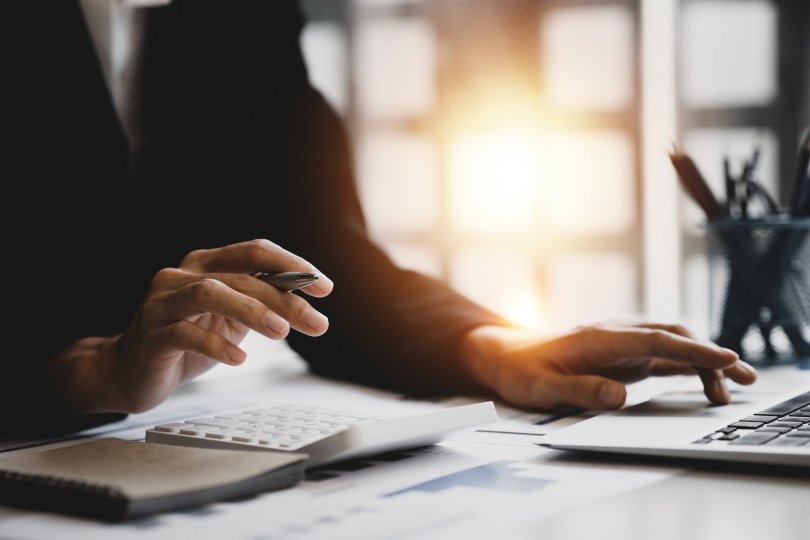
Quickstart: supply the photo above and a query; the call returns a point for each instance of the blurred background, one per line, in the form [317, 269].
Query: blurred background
[518, 148]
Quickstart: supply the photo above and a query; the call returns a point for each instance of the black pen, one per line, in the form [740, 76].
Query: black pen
[287, 281]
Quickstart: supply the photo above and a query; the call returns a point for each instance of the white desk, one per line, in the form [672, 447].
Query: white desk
[477, 485]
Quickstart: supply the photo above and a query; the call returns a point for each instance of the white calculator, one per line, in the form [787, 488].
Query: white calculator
[324, 434]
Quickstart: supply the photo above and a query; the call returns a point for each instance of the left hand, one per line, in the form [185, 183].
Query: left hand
[590, 366]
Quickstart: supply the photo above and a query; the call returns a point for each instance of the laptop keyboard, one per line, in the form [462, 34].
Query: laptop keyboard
[784, 424]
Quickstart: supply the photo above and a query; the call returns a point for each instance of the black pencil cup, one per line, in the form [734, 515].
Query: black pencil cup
[760, 288]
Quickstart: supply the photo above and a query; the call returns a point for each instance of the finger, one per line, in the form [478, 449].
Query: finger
[589, 391]
[319, 289]
[661, 367]
[741, 373]
[255, 256]
[188, 337]
[595, 346]
[297, 313]
[673, 328]
[209, 295]
[295, 310]
[627, 371]
[714, 385]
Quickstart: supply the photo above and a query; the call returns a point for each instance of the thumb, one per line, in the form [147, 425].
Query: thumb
[588, 391]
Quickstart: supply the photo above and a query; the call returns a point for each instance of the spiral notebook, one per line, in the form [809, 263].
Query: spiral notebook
[116, 480]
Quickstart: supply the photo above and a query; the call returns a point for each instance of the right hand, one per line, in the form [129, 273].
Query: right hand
[193, 317]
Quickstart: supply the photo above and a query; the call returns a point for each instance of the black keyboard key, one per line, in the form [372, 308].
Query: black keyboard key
[771, 429]
[727, 430]
[702, 441]
[755, 438]
[792, 418]
[729, 437]
[759, 418]
[746, 425]
[800, 412]
[788, 406]
[789, 441]
[801, 434]
[790, 425]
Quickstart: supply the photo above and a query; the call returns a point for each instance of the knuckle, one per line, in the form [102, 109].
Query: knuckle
[242, 282]
[295, 306]
[681, 330]
[193, 257]
[658, 340]
[206, 288]
[164, 277]
[590, 331]
[177, 332]
[254, 249]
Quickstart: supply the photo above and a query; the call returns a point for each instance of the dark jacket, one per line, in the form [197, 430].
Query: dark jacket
[236, 145]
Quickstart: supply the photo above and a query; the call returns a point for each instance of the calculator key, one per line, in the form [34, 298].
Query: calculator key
[219, 422]
[170, 428]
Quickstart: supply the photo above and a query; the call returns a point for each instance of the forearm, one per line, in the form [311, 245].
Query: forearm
[409, 336]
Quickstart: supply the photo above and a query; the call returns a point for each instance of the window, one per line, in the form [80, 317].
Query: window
[500, 144]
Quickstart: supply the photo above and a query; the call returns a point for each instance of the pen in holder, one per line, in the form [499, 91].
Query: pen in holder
[760, 287]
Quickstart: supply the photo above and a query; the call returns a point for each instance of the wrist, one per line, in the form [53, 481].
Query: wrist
[484, 351]
[83, 374]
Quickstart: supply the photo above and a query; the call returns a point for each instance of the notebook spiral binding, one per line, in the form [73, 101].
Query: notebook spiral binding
[51, 493]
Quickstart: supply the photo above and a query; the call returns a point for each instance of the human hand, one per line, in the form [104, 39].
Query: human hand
[589, 366]
[193, 317]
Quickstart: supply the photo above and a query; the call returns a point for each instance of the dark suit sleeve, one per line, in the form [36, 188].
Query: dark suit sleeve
[388, 326]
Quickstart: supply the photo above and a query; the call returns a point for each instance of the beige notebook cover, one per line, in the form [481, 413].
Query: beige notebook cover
[113, 479]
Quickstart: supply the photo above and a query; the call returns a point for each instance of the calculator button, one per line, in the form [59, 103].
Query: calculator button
[218, 422]
[170, 428]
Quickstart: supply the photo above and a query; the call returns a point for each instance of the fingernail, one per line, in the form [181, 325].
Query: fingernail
[324, 282]
[235, 354]
[746, 366]
[275, 323]
[316, 321]
[611, 395]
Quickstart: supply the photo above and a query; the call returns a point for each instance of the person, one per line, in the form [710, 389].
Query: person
[146, 210]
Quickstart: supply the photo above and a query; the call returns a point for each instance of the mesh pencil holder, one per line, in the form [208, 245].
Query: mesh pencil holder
[759, 273]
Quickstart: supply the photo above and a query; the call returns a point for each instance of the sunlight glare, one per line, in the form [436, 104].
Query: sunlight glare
[494, 181]
[525, 310]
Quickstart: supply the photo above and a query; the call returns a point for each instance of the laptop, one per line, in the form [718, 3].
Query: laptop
[762, 424]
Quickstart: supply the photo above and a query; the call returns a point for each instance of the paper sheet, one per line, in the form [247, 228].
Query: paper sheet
[469, 486]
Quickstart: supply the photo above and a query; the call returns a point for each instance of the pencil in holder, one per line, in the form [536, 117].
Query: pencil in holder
[759, 272]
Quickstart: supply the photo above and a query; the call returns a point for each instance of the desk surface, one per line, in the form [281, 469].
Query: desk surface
[476, 485]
